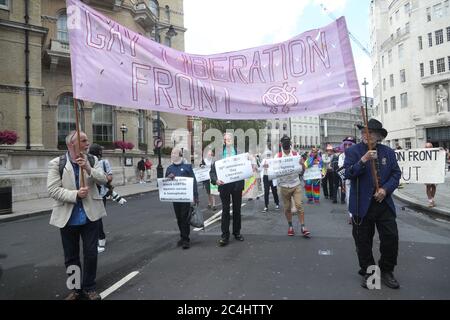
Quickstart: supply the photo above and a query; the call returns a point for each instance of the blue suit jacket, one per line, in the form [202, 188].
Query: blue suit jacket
[389, 172]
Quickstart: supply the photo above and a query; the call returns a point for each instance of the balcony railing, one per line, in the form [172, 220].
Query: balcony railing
[395, 38]
[59, 52]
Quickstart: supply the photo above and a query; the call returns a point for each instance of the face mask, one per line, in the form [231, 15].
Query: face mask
[286, 146]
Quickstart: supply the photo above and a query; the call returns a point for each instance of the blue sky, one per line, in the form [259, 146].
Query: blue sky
[216, 26]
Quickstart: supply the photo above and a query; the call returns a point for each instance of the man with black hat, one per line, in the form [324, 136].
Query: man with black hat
[370, 206]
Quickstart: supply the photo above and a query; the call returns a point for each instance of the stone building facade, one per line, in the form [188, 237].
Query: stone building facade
[36, 88]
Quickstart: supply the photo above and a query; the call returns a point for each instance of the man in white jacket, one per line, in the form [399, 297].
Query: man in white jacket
[77, 211]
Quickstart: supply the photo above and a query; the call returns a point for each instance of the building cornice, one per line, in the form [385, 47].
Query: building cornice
[21, 90]
[23, 26]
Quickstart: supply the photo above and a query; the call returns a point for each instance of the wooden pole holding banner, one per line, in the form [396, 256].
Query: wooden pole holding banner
[77, 128]
[370, 145]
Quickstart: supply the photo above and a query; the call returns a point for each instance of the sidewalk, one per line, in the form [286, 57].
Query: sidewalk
[415, 195]
[25, 209]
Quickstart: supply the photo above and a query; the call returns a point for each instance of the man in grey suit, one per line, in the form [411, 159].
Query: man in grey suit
[76, 212]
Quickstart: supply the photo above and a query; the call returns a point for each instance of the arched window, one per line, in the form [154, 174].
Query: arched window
[61, 28]
[66, 117]
[269, 125]
[284, 126]
[102, 123]
[277, 126]
[154, 7]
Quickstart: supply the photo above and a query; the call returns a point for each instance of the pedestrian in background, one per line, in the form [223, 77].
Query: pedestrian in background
[207, 163]
[148, 169]
[328, 179]
[141, 170]
[312, 186]
[269, 184]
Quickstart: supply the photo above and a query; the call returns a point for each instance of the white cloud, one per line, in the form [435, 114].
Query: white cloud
[216, 26]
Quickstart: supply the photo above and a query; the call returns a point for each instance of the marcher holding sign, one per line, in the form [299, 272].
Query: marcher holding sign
[269, 184]
[290, 186]
[238, 167]
[206, 165]
[315, 171]
[434, 172]
[182, 208]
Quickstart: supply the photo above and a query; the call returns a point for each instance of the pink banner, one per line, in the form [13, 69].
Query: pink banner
[311, 73]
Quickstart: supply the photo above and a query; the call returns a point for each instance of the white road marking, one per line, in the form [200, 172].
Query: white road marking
[214, 218]
[118, 284]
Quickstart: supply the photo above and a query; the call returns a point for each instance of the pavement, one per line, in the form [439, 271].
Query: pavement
[412, 194]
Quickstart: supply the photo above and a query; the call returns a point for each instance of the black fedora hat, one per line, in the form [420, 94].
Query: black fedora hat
[375, 125]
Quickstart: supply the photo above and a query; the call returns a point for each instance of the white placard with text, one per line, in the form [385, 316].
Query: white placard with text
[234, 168]
[180, 189]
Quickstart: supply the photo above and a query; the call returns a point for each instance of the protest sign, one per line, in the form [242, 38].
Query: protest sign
[421, 165]
[202, 174]
[312, 173]
[180, 189]
[234, 168]
[284, 166]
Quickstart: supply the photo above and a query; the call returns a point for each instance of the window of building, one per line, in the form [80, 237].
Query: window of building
[407, 27]
[404, 100]
[398, 32]
[390, 56]
[402, 76]
[428, 14]
[440, 65]
[430, 39]
[4, 4]
[382, 61]
[448, 33]
[384, 84]
[400, 51]
[420, 43]
[422, 70]
[391, 80]
[61, 28]
[446, 8]
[397, 15]
[102, 123]
[284, 126]
[439, 36]
[167, 41]
[154, 7]
[390, 21]
[407, 143]
[393, 107]
[437, 10]
[385, 106]
[277, 126]
[66, 117]
[141, 126]
[269, 125]
[448, 62]
[431, 67]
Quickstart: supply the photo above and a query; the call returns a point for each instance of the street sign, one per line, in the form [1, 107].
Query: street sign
[157, 143]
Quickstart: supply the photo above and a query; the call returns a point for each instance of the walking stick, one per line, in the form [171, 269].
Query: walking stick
[371, 147]
[77, 128]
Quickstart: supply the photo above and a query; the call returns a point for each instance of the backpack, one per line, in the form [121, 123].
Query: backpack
[63, 161]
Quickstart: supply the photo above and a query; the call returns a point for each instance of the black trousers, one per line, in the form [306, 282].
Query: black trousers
[70, 236]
[338, 183]
[328, 185]
[381, 216]
[267, 186]
[228, 193]
[101, 231]
[182, 214]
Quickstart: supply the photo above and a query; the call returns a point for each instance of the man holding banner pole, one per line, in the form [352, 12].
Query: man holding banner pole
[371, 202]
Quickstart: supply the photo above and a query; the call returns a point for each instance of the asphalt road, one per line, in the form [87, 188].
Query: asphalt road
[268, 265]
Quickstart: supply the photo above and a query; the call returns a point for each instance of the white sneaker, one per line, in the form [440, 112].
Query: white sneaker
[100, 249]
[265, 209]
[101, 242]
[277, 207]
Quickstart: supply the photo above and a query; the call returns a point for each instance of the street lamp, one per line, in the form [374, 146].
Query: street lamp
[123, 129]
[169, 34]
